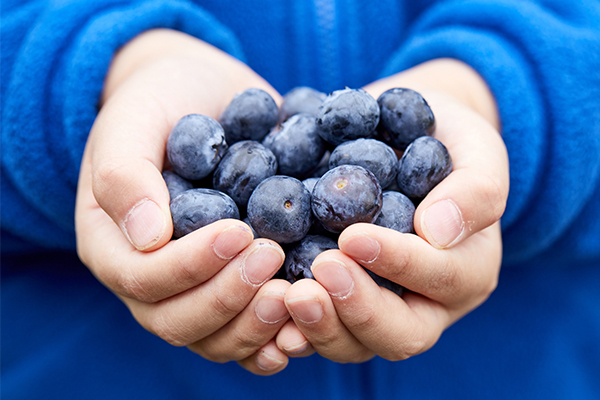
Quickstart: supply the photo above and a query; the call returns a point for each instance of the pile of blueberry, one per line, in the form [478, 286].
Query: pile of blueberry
[301, 173]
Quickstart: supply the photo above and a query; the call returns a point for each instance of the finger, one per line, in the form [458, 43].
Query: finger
[392, 327]
[267, 361]
[253, 328]
[128, 142]
[127, 155]
[153, 276]
[193, 315]
[474, 195]
[453, 276]
[315, 316]
[292, 341]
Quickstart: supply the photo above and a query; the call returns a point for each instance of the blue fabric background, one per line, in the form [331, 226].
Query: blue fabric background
[65, 336]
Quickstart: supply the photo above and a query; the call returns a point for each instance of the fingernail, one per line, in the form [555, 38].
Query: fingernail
[145, 224]
[271, 308]
[334, 276]
[262, 262]
[362, 247]
[307, 309]
[267, 362]
[231, 241]
[297, 349]
[442, 223]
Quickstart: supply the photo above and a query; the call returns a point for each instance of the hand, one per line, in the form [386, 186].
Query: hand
[210, 290]
[449, 268]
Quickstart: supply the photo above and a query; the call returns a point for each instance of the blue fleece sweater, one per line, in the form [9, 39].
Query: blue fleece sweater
[535, 337]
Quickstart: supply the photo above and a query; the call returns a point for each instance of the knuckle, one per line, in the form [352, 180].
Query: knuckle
[324, 340]
[188, 271]
[131, 285]
[227, 306]
[446, 282]
[105, 176]
[246, 344]
[408, 348]
[362, 320]
[170, 330]
[493, 194]
[209, 353]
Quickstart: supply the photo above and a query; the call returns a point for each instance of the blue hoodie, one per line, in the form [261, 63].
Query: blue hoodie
[64, 335]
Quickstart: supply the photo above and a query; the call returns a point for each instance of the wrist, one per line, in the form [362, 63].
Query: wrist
[175, 54]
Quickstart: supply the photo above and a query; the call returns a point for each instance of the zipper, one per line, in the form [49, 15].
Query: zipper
[328, 44]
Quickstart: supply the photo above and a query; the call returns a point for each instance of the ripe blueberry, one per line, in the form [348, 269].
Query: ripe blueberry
[279, 209]
[405, 116]
[345, 195]
[250, 116]
[195, 146]
[196, 208]
[347, 114]
[423, 165]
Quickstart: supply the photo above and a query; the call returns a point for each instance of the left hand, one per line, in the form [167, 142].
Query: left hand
[449, 268]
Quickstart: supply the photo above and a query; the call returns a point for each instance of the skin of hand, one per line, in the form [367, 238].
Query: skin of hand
[210, 290]
[449, 268]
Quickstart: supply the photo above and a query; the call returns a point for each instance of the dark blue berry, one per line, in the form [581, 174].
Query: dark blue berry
[345, 195]
[196, 208]
[323, 165]
[405, 116]
[347, 114]
[195, 146]
[299, 259]
[424, 164]
[279, 209]
[176, 184]
[301, 99]
[376, 156]
[296, 145]
[310, 183]
[244, 166]
[250, 116]
[397, 212]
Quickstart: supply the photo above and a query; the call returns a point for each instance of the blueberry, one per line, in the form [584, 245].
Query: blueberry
[347, 114]
[176, 184]
[196, 208]
[296, 145]
[376, 156]
[423, 165]
[244, 166]
[301, 99]
[405, 116]
[323, 165]
[299, 259]
[310, 183]
[279, 209]
[386, 283]
[345, 195]
[250, 116]
[397, 212]
[195, 146]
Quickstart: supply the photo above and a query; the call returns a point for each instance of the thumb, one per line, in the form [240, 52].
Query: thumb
[127, 155]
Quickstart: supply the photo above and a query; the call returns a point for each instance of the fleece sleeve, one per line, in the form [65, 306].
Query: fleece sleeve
[541, 60]
[55, 55]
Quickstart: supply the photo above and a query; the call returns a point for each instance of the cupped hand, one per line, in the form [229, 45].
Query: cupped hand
[210, 290]
[449, 268]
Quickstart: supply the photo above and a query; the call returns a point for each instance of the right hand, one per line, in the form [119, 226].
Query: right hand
[210, 290]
